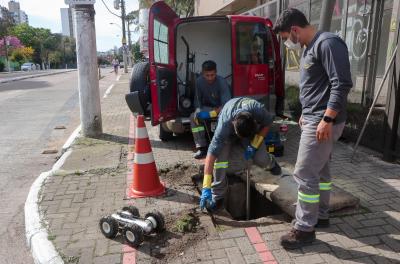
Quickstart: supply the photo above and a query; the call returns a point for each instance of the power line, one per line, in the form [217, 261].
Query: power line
[109, 9]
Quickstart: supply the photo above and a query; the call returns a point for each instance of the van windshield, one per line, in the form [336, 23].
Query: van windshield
[251, 41]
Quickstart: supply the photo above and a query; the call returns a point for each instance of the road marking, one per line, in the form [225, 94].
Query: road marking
[118, 77]
[108, 91]
[260, 246]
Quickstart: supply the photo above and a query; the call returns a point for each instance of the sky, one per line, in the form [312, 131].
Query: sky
[46, 14]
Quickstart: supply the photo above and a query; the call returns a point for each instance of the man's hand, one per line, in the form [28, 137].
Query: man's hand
[206, 200]
[324, 131]
[250, 152]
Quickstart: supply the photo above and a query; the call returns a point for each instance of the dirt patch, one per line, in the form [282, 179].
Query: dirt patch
[179, 175]
[184, 228]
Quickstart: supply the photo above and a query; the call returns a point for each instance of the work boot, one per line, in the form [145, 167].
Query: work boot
[200, 154]
[296, 239]
[276, 169]
[322, 223]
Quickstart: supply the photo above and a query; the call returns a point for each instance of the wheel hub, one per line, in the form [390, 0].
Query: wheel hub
[130, 236]
[106, 227]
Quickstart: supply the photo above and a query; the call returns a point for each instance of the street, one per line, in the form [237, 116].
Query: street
[30, 110]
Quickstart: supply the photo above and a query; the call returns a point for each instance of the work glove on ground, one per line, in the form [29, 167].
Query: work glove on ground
[207, 115]
[253, 147]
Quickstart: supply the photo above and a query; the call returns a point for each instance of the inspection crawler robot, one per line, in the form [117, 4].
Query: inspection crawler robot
[128, 223]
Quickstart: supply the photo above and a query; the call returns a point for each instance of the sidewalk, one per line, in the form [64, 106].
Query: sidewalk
[93, 181]
[5, 77]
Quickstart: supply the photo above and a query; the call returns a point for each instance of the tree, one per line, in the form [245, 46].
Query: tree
[183, 8]
[137, 54]
[13, 43]
[6, 21]
[54, 57]
[22, 54]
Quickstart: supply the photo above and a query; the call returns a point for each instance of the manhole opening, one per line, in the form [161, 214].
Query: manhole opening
[235, 200]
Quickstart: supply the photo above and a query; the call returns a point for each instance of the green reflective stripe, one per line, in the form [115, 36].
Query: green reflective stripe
[308, 198]
[197, 129]
[221, 165]
[325, 186]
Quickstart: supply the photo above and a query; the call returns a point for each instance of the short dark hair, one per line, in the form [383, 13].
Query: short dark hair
[244, 124]
[209, 65]
[290, 17]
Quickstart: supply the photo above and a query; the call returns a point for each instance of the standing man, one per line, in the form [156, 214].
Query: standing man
[212, 92]
[242, 125]
[325, 81]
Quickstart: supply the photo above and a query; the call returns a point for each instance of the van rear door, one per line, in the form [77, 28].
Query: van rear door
[249, 56]
[163, 80]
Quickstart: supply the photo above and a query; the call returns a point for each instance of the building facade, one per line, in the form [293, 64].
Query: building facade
[67, 22]
[18, 15]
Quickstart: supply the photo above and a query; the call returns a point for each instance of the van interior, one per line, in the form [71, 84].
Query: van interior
[197, 42]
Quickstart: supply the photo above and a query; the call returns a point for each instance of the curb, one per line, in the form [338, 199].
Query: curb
[43, 250]
[34, 76]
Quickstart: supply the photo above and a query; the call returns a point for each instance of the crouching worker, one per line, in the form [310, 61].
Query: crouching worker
[212, 92]
[242, 126]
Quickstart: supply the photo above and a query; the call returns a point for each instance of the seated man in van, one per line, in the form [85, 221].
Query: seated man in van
[212, 92]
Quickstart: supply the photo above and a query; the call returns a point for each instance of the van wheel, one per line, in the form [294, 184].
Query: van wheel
[140, 81]
[165, 135]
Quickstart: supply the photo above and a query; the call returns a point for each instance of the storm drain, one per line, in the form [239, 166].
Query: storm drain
[235, 200]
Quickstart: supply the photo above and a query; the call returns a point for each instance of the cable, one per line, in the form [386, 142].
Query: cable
[109, 9]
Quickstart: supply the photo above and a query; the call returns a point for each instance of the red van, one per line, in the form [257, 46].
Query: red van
[245, 49]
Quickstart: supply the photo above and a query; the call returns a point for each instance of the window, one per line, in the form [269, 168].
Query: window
[160, 42]
[251, 39]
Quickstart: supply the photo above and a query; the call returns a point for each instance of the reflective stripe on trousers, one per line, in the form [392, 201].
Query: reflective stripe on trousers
[312, 176]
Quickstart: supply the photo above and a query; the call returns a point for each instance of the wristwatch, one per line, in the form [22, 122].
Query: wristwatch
[328, 119]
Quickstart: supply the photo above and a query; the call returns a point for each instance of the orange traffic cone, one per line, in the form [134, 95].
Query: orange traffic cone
[145, 177]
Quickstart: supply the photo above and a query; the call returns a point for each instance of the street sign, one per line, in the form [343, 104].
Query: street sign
[80, 2]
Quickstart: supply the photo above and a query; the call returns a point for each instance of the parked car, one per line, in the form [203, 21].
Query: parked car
[28, 66]
[245, 49]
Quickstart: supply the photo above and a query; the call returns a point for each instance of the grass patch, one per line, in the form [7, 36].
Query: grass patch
[187, 223]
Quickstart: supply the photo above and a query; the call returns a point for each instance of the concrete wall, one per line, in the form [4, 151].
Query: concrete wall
[209, 7]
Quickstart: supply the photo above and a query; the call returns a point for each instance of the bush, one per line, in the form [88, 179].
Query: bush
[293, 101]
[2, 66]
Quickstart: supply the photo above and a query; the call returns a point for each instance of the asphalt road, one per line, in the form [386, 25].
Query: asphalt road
[30, 110]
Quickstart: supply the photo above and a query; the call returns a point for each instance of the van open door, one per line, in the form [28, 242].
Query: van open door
[163, 75]
[276, 70]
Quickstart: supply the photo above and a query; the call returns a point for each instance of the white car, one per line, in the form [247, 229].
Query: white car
[28, 66]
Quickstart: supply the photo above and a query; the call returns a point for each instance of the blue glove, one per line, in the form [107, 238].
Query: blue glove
[250, 152]
[206, 200]
[203, 115]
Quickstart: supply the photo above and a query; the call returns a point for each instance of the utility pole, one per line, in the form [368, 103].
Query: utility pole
[88, 82]
[129, 43]
[326, 15]
[124, 51]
